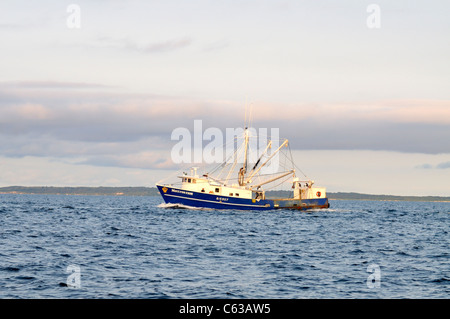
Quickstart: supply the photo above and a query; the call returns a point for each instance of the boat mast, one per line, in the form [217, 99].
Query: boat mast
[237, 155]
[246, 150]
[243, 170]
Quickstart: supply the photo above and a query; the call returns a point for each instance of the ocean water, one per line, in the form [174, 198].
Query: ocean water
[54, 246]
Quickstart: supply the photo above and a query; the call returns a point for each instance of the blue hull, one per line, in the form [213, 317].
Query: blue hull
[172, 195]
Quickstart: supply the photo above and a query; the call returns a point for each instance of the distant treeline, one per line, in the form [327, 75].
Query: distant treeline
[153, 191]
[359, 196]
[51, 190]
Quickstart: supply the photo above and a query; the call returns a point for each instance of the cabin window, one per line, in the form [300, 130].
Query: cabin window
[237, 194]
[185, 180]
[217, 190]
[193, 181]
[231, 194]
[189, 180]
[203, 190]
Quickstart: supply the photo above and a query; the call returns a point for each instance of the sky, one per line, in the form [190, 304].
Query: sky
[91, 91]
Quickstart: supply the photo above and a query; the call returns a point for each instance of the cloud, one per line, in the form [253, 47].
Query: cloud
[216, 45]
[159, 47]
[142, 47]
[386, 111]
[10, 26]
[51, 85]
[444, 165]
[99, 126]
[143, 160]
[73, 114]
[424, 166]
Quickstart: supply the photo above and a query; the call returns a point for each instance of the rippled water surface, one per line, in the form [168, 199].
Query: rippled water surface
[133, 247]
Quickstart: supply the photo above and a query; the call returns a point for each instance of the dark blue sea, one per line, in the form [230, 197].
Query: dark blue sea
[60, 246]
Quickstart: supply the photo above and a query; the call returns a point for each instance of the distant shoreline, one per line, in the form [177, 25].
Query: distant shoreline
[153, 191]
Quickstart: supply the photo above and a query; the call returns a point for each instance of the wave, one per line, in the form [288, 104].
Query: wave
[181, 206]
[443, 279]
[329, 210]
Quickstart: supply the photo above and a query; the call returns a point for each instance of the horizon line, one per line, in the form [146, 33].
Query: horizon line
[153, 187]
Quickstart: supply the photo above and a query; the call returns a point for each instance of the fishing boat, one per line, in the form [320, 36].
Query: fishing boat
[240, 184]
